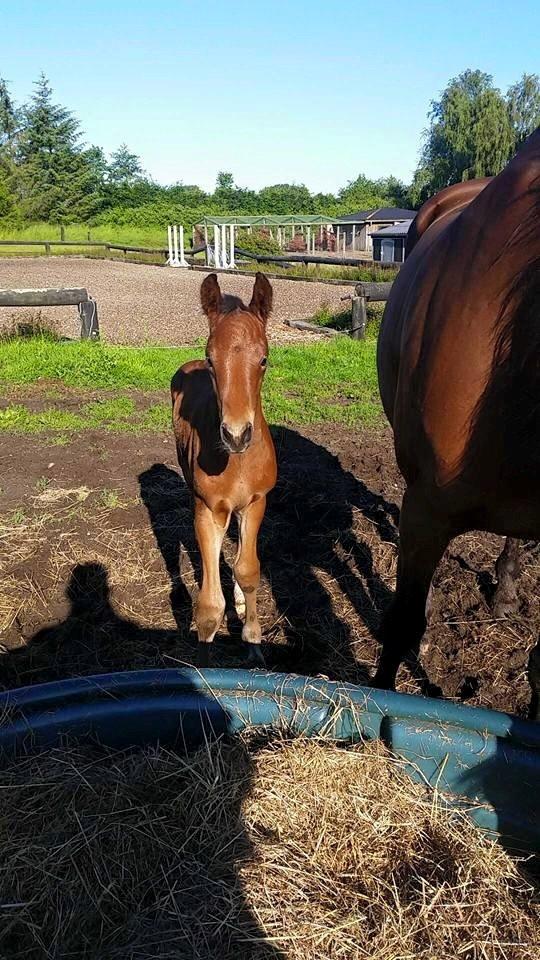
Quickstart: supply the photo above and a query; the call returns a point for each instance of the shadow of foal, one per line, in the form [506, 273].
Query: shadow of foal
[216, 919]
[308, 536]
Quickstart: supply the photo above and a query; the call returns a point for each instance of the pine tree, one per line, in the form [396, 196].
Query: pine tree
[58, 178]
[125, 168]
[9, 121]
[8, 116]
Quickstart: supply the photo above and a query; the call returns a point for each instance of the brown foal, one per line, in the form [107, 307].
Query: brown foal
[226, 452]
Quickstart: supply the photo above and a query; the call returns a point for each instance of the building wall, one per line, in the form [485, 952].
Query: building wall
[398, 248]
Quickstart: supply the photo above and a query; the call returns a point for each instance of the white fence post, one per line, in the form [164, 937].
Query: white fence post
[170, 258]
[232, 262]
[224, 262]
[176, 250]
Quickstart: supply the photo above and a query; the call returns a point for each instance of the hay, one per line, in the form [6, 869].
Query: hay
[292, 850]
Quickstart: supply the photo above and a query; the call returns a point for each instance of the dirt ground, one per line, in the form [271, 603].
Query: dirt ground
[139, 303]
[98, 567]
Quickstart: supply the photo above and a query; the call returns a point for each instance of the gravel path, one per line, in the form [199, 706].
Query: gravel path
[139, 303]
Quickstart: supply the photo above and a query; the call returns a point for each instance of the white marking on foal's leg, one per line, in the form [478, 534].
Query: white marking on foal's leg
[247, 571]
[239, 601]
[209, 529]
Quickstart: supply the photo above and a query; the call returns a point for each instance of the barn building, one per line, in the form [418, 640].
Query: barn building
[389, 242]
[357, 228]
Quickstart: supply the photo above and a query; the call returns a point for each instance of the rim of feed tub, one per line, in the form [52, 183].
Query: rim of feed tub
[481, 760]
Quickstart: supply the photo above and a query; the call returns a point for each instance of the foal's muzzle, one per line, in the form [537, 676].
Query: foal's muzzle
[236, 441]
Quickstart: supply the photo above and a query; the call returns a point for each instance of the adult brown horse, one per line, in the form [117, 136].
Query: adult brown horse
[459, 375]
[226, 452]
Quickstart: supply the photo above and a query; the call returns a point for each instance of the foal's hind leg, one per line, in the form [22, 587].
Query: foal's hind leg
[247, 572]
[210, 530]
[508, 570]
[423, 538]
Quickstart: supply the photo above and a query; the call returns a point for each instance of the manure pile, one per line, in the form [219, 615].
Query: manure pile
[292, 850]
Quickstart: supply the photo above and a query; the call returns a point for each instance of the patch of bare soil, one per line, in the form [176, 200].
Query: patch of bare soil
[98, 567]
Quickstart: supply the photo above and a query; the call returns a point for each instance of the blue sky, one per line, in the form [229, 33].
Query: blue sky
[274, 91]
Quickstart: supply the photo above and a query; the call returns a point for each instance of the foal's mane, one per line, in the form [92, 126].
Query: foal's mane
[230, 303]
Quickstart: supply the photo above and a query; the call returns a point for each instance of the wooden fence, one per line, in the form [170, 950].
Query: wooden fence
[65, 296]
[364, 293]
[103, 245]
[82, 243]
[307, 258]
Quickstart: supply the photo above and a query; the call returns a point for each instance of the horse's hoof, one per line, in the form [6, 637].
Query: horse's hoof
[381, 682]
[203, 654]
[255, 656]
[504, 609]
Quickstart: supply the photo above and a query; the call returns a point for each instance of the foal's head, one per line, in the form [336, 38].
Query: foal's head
[237, 355]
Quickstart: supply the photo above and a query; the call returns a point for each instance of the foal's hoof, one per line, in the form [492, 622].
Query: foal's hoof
[255, 657]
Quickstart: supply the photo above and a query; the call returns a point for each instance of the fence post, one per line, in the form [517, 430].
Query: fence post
[62, 233]
[89, 320]
[48, 249]
[359, 318]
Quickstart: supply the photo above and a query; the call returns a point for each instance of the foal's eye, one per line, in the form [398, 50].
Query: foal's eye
[264, 362]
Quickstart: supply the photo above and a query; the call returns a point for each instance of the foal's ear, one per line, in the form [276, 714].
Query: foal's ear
[261, 301]
[211, 299]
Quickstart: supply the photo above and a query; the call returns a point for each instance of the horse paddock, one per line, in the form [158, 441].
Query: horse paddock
[140, 303]
[99, 567]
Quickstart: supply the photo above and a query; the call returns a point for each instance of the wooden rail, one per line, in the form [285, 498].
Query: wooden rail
[58, 297]
[104, 244]
[309, 258]
[363, 294]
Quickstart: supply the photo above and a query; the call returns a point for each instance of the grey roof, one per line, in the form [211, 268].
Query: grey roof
[381, 214]
[394, 230]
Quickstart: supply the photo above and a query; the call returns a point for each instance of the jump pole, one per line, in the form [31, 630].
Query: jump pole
[176, 250]
[224, 262]
[217, 251]
[170, 258]
[232, 263]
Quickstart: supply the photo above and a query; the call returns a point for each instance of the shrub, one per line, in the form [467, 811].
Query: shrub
[259, 241]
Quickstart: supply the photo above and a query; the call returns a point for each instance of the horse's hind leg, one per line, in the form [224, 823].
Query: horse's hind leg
[423, 538]
[247, 573]
[534, 680]
[210, 530]
[508, 570]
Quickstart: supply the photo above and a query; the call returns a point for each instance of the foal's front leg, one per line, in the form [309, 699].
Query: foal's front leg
[210, 528]
[247, 573]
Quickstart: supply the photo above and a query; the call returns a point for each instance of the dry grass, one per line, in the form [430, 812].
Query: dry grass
[293, 850]
[29, 323]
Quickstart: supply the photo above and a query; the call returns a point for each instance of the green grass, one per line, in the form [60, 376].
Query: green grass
[325, 316]
[153, 236]
[334, 381]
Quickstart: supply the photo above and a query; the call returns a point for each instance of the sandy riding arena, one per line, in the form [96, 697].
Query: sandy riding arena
[139, 303]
